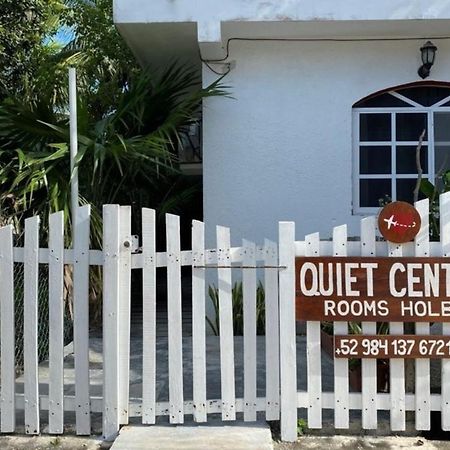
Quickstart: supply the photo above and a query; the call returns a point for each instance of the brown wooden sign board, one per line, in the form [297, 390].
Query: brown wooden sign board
[373, 289]
[384, 347]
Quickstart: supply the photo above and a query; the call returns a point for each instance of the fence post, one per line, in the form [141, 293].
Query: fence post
[81, 318]
[7, 333]
[124, 312]
[444, 224]
[111, 293]
[30, 325]
[288, 366]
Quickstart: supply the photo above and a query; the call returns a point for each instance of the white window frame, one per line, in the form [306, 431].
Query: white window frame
[414, 108]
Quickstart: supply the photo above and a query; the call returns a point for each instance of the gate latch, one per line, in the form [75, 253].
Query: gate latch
[132, 243]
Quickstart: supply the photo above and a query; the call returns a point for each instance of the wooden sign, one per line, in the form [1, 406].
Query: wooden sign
[404, 346]
[373, 289]
[399, 222]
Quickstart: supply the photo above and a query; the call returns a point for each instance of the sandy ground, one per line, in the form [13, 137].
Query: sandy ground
[361, 443]
[52, 443]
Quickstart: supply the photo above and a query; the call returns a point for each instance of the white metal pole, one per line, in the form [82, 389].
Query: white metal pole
[73, 145]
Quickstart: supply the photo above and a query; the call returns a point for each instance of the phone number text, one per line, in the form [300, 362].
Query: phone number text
[403, 346]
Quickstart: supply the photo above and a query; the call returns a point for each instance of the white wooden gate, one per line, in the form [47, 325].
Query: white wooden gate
[118, 262]
[273, 262]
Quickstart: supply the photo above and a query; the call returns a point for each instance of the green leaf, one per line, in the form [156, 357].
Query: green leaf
[427, 188]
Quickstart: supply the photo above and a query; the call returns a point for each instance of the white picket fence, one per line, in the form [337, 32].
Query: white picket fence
[274, 262]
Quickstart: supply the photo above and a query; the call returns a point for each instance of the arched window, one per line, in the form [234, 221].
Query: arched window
[387, 127]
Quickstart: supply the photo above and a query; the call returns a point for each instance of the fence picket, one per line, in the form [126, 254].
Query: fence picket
[313, 351]
[30, 325]
[81, 319]
[422, 372]
[148, 317]
[124, 312]
[444, 209]
[198, 321]
[341, 386]
[56, 323]
[7, 336]
[176, 413]
[288, 357]
[249, 305]
[369, 366]
[226, 324]
[111, 292]
[397, 368]
[272, 337]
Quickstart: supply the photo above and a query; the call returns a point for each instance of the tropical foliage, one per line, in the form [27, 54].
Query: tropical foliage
[27, 28]
[238, 309]
[432, 192]
[130, 120]
[127, 156]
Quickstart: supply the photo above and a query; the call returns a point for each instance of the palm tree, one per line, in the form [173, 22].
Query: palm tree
[127, 152]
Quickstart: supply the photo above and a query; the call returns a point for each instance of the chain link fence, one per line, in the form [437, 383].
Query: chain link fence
[43, 315]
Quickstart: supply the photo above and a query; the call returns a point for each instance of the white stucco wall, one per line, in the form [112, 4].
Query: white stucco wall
[144, 11]
[173, 27]
[282, 148]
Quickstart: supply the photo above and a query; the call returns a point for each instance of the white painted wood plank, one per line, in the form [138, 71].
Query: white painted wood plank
[7, 336]
[383, 401]
[215, 406]
[148, 316]
[444, 208]
[111, 274]
[272, 336]
[226, 325]
[341, 386]
[249, 305]
[313, 351]
[198, 322]
[369, 366]
[288, 363]
[30, 326]
[124, 312]
[397, 368]
[56, 323]
[81, 319]
[175, 334]
[422, 372]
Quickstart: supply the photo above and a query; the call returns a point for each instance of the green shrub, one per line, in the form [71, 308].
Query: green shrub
[238, 309]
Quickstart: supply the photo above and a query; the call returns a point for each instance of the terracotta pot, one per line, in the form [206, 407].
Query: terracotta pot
[355, 377]
[327, 343]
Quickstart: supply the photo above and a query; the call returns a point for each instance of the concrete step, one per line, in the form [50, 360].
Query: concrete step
[215, 436]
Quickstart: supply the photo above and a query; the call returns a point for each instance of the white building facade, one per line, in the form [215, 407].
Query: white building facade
[304, 137]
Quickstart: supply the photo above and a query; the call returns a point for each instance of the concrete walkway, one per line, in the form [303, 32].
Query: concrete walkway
[235, 436]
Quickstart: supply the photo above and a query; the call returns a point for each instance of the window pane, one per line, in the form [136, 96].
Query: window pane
[441, 126]
[371, 191]
[375, 127]
[441, 158]
[406, 159]
[409, 127]
[426, 95]
[405, 190]
[382, 101]
[374, 160]
[441, 142]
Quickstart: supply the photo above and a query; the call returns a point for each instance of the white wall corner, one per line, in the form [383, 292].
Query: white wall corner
[209, 37]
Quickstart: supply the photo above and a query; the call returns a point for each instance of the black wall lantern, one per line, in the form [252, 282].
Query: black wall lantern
[428, 53]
